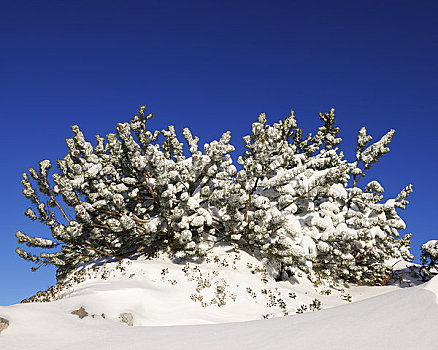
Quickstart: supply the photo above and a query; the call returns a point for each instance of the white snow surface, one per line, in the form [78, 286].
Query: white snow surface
[165, 299]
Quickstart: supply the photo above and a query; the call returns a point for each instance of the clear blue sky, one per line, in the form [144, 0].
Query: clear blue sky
[214, 66]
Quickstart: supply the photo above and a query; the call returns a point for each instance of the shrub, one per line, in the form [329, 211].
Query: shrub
[295, 202]
[429, 259]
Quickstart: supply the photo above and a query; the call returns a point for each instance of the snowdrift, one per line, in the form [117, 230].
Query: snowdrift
[167, 315]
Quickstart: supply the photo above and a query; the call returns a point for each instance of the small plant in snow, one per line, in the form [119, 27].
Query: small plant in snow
[301, 309]
[347, 297]
[315, 305]
[429, 259]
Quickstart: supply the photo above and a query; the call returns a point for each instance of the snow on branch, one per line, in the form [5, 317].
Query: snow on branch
[136, 193]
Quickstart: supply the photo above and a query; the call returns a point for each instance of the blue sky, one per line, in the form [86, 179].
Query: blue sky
[214, 66]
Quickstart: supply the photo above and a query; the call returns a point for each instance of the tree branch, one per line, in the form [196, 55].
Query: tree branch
[362, 174]
[96, 250]
[249, 199]
[59, 207]
[148, 184]
[300, 196]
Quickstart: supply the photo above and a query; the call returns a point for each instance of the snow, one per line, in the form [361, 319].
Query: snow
[431, 247]
[165, 296]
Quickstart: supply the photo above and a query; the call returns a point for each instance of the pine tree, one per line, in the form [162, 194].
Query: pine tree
[364, 233]
[295, 202]
[429, 259]
[127, 195]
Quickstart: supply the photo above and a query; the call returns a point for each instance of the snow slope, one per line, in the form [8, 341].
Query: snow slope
[394, 318]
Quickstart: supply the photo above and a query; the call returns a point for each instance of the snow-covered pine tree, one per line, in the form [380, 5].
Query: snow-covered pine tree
[298, 208]
[362, 232]
[429, 259]
[136, 193]
[282, 175]
[127, 195]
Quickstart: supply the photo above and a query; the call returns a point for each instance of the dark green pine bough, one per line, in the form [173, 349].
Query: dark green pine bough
[295, 203]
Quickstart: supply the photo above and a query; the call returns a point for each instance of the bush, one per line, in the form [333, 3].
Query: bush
[295, 202]
[429, 259]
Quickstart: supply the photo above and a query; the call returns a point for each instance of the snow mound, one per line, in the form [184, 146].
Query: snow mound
[432, 285]
[228, 286]
[220, 303]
